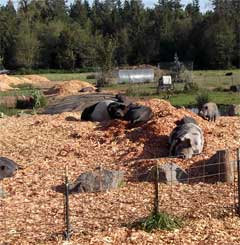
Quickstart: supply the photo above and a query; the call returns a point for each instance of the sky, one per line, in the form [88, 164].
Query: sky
[205, 5]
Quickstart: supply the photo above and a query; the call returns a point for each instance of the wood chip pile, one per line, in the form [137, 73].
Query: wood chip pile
[7, 81]
[68, 88]
[32, 212]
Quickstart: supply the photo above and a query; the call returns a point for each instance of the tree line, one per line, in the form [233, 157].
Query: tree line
[52, 34]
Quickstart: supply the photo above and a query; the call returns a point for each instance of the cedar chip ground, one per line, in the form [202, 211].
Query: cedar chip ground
[32, 212]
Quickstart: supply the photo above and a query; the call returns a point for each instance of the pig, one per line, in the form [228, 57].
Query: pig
[186, 119]
[8, 167]
[209, 111]
[104, 111]
[87, 89]
[186, 140]
[138, 114]
[123, 99]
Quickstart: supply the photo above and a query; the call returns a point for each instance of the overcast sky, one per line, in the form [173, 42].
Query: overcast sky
[205, 5]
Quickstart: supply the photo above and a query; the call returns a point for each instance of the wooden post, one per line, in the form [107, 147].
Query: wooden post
[238, 179]
[67, 219]
[228, 168]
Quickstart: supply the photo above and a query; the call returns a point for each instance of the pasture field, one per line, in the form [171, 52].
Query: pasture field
[68, 76]
[216, 83]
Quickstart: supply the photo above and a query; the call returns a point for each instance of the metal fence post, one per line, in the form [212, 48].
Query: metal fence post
[67, 232]
[238, 179]
[156, 197]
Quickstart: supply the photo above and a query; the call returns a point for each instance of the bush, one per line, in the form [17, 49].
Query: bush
[39, 99]
[91, 76]
[158, 221]
[219, 89]
[136, 91]
[202, 98]
[189, 87]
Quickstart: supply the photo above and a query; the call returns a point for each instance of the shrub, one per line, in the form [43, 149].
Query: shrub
[39, 99]
[136, 90]
[202, 98]
[91, 76]
[219, 89]
[189, 87]
[158, 221]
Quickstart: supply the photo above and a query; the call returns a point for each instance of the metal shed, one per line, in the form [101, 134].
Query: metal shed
[135, 75]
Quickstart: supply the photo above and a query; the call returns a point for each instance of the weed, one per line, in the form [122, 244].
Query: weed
[158, 221]
[202, 98]
[189, 87]
[39, 99]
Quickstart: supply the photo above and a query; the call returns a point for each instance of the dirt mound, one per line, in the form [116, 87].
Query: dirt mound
[68, 88]
[36, 78]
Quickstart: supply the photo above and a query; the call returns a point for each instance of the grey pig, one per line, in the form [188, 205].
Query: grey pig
[186, 140]
[209, 111]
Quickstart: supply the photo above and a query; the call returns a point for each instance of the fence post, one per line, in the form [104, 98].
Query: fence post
[238, 178]
[156, 197]
[228, 167]
[67, 213]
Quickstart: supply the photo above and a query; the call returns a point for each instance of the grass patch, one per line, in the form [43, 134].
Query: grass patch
[158, 221]
[88, 77]
[29, 107]
[23, 86]
[8, 111]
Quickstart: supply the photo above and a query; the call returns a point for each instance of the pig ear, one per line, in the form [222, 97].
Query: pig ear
[122, 106]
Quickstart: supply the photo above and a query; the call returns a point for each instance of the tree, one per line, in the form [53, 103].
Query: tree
[57, 9]
[79, 12]
[7, 34]
[27, 46]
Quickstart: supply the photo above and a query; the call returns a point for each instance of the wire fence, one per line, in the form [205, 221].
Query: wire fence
[209, 188]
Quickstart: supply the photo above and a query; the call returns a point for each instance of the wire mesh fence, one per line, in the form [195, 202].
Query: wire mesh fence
[205, 189]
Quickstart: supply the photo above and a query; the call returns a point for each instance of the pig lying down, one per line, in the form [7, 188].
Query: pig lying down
[209, 111]
[124, 110]
[138, 114]
[7, 167]
[186, 139]
[104, 111]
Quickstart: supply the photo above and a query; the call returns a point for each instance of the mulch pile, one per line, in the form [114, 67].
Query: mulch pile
[43, 145]
[68, 88]
[7, 81]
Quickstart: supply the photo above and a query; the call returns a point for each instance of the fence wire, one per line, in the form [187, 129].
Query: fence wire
[39, 214]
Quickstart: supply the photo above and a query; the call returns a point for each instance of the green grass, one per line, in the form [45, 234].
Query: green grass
[178, 97]
[189, 99]
[215, 72]
[68, 76]
[9, 111]
[216, 78]
[159, 221]
[21, 89]
[214, 81]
